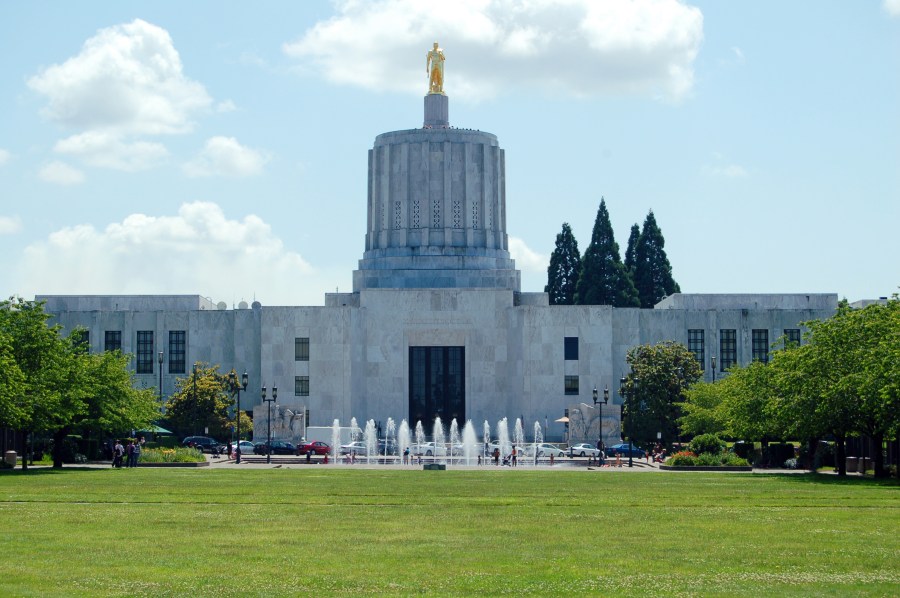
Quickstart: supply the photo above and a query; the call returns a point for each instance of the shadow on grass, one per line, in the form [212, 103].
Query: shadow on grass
[43, 471]
[832, 479]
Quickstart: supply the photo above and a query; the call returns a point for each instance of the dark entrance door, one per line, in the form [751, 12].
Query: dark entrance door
[437, 384]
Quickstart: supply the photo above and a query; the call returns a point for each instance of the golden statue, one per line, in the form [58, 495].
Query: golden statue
[434, 66]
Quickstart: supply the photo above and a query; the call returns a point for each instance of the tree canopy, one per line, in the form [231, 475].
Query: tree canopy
[201, 401]
[604, 279]
[564, 269]
[652, 271]
[60, 387]
[654, 390]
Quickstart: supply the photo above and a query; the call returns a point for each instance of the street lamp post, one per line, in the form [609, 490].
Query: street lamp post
[599, 404]
[622, 394]
[236, 388]
[269, 420]
[159, 358]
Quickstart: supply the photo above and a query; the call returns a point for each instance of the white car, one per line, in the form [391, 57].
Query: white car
[544, 451]
[245, 445]
[583, 450]
[428, 449]
[358, 447]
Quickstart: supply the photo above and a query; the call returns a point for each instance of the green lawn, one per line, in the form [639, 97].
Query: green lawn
[314, 530]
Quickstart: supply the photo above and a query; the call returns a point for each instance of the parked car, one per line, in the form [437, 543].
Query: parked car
[204, 444]
[544, 451]
[357, 446]
[245, 445]
[583, 450]
[429, 449]
[317, 447]
[275, 447]
[623, 450]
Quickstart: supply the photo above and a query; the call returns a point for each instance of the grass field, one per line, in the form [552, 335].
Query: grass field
[319, 531]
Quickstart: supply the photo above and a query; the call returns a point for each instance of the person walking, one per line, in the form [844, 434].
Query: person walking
[118, 453]
[129, 453]
[135, 454]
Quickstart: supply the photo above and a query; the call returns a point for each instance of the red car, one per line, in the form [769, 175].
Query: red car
[316, 447]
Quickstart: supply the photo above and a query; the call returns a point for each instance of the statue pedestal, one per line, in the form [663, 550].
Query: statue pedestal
[437, 111]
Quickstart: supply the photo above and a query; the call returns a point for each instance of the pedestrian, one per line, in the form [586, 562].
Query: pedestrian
[496, 456]
[230, 450]
[135, 454]
[129, 453]
[118, 453]
[514, 456]
[406, 456]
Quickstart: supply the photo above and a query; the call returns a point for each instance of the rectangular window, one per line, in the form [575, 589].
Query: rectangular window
[792, 337]
[301, 386]
[176, 351]
[760, 345]
[112, 340]
[301, 349]
[696, 346]
[145, 352]
[571, 385]
[571, 348]
[728, 348]
[437, 383]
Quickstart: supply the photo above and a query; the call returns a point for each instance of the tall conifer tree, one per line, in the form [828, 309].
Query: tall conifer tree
[652, 271]
[564, 269]
[604, 280]
[632, 247]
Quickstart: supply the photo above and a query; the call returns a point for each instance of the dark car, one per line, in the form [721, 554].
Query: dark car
[204, 444]
[623, 450]
[276, 447]
[317, 447]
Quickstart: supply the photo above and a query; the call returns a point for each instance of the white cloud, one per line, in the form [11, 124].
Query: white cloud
[226, 106]
[4, 156]
[127, 79]
[199, 250]
[892, 7]
[572, 47]
[224, 156]
[61, 173]
[9, 225]
[527, 261]
[109, 151]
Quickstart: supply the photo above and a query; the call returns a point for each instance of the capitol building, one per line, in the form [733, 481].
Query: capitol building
[436, 324]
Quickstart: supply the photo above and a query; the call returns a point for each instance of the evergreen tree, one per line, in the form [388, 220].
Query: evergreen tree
[565, 266]
[633, 239]
[604, 280]
[652, 271]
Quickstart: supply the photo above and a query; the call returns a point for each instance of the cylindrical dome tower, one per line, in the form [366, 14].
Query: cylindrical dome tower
[436, 209]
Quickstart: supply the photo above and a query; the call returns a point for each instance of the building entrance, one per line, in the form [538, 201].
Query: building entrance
[437, 385]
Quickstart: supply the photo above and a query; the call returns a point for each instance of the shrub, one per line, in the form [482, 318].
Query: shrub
[682, 459]
[707, 443]
[709, 460]
[176, 455]
[791, 464]
[732, 460]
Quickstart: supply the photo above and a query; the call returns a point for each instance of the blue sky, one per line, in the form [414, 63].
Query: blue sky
[220, 148]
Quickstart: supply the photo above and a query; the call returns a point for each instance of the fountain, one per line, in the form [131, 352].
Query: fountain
[335, 441]
[439, 439]
[390, 432]
[403, 438]
[455, 440]
[538, 439]
[470, 443]
[370, 437]
[503, 438]
[487, 440]
[519, 436]
[420, 437]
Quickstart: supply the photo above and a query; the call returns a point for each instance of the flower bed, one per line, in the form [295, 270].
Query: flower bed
[171, 456]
